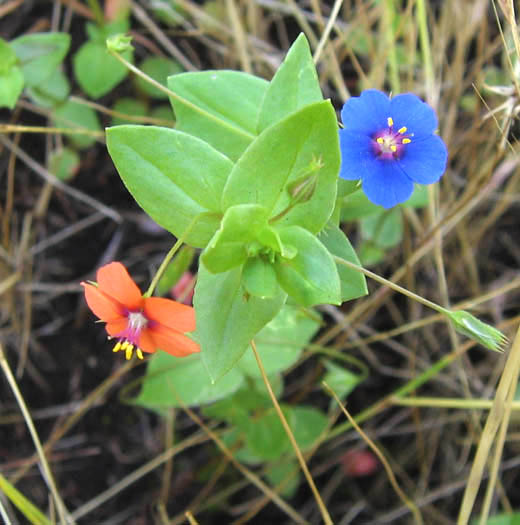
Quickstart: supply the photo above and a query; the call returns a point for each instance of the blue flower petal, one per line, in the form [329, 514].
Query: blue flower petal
[424, 161]
[357, 156]
[367, 113]
[410, 111]
[387, 185]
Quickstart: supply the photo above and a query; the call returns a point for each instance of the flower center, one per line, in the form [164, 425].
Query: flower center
[389, 144]
[128, 339]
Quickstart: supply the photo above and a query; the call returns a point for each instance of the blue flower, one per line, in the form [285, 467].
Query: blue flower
[389, 144]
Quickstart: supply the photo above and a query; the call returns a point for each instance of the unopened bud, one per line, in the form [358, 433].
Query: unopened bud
[302, 189]
[469, 325]
[119, 43]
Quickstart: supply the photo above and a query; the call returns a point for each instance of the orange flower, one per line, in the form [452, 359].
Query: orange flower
[143, 324]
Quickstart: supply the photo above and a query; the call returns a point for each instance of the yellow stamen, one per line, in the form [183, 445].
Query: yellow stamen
[139, 353]
[128, 351]
[117, 347]
[380, 140]
[390, 121]
[393, 148]
[124, 345]
[402, 130]
[406, 141]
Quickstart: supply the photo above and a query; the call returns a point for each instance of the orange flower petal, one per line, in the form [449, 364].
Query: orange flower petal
[147, 342]
[114, 328]
[173, 342]
[170, 313]
[103, 306]
[114, 280]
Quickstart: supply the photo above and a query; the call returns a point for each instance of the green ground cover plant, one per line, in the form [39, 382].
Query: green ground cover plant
[339, 182]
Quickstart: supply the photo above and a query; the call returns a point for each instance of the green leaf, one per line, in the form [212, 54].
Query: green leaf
[40, 54]
[307, 424]
[11, 76]
[96, 70]
[294, 85]
[64, 163]
[25, 506]
[370, 254]
[173, 176]
[356, 205]
[11, 86]
[228, 318]
[75, 115]
[187, 376]
[311, 276]
[8, 57]
[266, 437]
[220, 107]
[280, 155]
[385, 228]
[259, 278]
[341, 380]
[159, 69]
[287, 473]
[52, 91]
[500, 519]
[281, 342]
[128, 106]
[228, 247]
[353, 283]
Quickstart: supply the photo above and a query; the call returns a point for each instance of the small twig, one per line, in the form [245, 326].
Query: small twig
[324, 512]
[248, 474]
[62, 511]
[52, 179]
[391, 477]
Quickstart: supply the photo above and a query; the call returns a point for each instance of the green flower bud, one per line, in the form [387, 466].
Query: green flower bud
[469, 325]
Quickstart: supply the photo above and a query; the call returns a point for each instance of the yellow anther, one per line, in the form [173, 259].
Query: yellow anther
[402, 130]
[390, 121]
[128, 351]
[139, 353]
[380, 140]
[117, 347]
[124, 345]
[406, 141]
[393, 147]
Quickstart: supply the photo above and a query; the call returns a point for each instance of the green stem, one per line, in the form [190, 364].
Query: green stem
[424, 38]
[97, 12]
[178, 98]
[169, 256]
[389, 12]
[393, 286]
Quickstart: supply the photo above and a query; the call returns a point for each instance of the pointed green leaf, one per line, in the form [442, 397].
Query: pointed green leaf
[96, 70]
[11, 86]
[228, 318]
[40, 54]
[219, 107]
[52, 91]
[294, 85]
[173, 176]
[259, 278]
[281, 342]
[188, 377]
[229, 246]
[25, 506]
[353, 283]
[74, 115]
[311, 276]
[280, 155]
[384, 228]
[158, 68]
